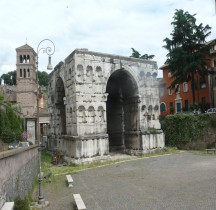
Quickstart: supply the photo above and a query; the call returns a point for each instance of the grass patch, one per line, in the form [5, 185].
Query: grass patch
[75, 168]
[200, 152]
[169, 150]
[46, 160]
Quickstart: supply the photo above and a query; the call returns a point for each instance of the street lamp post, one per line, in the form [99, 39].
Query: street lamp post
[49, 50]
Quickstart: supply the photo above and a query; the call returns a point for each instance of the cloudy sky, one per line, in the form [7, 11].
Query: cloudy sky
[108, 26]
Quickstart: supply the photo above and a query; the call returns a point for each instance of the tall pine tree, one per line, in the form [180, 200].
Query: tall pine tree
[187, 49]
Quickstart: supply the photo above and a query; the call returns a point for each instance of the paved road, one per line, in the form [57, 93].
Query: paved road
[178, 181]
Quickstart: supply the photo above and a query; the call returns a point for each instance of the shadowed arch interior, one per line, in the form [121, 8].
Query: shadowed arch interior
[122, 111]
[60, 105]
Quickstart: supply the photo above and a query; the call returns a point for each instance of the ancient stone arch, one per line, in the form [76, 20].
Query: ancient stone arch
[112, 103]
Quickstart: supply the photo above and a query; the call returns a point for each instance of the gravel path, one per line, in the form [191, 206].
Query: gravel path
[177, 181]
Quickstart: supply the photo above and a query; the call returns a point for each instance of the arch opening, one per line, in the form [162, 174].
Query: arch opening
[60, 106]
[122, 111]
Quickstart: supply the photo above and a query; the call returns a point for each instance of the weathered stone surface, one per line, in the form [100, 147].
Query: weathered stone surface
[94, 94]
[18, 171]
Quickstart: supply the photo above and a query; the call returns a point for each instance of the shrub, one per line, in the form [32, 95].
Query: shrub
[10, 125]
[183, 128]
[21, 204]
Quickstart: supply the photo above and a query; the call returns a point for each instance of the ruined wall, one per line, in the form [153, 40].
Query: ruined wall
[18, 170]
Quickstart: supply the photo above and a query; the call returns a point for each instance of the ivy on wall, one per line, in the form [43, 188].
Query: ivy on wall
[181, 129]
[10, 124]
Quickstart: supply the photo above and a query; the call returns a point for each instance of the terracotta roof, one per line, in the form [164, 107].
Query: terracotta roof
[25, 47]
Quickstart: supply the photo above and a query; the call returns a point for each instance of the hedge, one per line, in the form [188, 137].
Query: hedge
[10, 125]
[181, 129]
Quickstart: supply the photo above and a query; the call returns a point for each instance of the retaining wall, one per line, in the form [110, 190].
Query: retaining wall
[18, 170]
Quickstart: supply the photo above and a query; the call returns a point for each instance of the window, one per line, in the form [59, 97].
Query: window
[169, 74]
[177, 88]
[171, 108]
[24, 74]
[21, 59]
[28, 59]
[202, 82]
[20, 72]
[169, 91]
[161, 92]
[178, 107]
[186, 105]
[163, 107]
[185, 87]
[28, 73]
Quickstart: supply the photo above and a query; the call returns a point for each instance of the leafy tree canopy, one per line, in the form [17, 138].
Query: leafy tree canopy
[136, 54]
[9, 78]
[1, 97]
[187, 49]
[43, 78]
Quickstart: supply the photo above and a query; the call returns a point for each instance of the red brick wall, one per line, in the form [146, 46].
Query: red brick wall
[199, 93]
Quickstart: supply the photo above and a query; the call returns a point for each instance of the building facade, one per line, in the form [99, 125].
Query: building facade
[25, 93]
[180, 98]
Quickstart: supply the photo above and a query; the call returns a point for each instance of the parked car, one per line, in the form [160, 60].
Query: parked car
[197, 111]
[13, 145]
[23, 144]
[211, 110]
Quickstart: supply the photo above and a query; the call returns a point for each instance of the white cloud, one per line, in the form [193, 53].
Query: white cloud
[6, 68]
[99, 25]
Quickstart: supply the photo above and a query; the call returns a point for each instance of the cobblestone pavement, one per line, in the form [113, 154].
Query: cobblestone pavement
[177, 181]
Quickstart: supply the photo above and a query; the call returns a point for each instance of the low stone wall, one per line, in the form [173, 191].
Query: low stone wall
[206, 141]
[18, 169]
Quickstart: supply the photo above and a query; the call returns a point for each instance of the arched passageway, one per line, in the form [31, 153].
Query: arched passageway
[60, 106]
[122, 111]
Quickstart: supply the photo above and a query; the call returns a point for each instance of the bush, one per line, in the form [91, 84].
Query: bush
[10, 125]
[21, 204]
[184, 128]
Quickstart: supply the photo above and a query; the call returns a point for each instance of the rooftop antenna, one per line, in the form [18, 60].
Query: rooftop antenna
[26, 40]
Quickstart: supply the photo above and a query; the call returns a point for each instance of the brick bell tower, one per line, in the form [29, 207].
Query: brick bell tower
[27, 86]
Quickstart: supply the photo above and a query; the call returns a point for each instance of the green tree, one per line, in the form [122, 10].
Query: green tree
[187, 49]
[10, 124]
[136, 54]
[43, 78]
[9, 78]
[1, 97]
